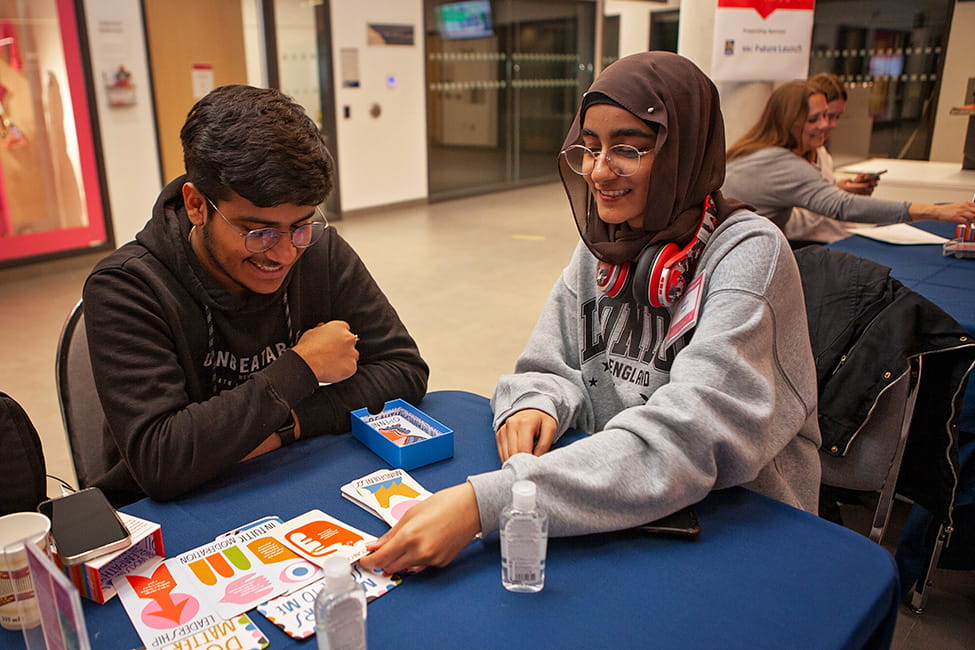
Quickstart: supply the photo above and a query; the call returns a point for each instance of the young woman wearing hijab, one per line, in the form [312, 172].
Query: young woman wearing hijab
[694, 375]
[769, 167]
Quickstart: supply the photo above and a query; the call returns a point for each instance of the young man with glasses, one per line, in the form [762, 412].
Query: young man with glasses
[238, 320]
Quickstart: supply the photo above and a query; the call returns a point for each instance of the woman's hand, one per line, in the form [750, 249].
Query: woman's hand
[431, 533]
[530, 431]
[963, 212]
[860, 184]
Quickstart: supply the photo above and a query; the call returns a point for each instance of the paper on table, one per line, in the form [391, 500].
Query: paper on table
[900, 233]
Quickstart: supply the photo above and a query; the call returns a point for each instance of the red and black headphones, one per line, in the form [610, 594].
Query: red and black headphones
[659, 275]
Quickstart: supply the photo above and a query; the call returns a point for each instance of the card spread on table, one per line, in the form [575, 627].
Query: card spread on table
[297, 572]
[388, 493]
[295, 613]
[171, 599]
[257, 523]
[316, 536]
[161, 610]
[238, 633]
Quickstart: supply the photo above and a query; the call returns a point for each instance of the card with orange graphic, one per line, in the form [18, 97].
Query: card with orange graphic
[236, 573]
[295, 612]
[388, 493]
[185, 595]
[237, 633]
[162, 610]
[316, 536]
[296, 572]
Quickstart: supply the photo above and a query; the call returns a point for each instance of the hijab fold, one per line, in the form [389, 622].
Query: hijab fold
[678, 100]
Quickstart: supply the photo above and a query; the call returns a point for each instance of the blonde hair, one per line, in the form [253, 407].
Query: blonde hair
[788, 106]
[830, 85]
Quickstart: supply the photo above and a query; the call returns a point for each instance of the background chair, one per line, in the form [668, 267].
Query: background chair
[873, 461]
[928, 544]
[81, 411]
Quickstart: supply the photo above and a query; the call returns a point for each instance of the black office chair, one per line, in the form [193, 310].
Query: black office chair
[81, 410]
[873, 460]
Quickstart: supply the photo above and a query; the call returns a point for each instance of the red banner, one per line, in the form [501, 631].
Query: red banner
[766, 7]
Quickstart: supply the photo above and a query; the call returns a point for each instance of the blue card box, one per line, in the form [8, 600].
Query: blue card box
[365, 429]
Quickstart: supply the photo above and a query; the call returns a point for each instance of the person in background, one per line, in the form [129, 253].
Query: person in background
[769, 168]
[805, 225]
[836, 98]
[238, 320]
[703, 383]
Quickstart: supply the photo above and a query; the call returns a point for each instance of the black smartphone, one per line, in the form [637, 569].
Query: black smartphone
[682, 523]
[870, 175]
[84, 525]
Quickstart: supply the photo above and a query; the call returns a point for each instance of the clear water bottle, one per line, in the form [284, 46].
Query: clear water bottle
[524, 539]
[340, 609]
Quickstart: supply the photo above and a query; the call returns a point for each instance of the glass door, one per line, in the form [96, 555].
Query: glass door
[50, 191]
[503, 80]
[890, 66]
[302, 69]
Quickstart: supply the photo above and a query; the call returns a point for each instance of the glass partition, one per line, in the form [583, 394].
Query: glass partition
[50, 198]
[503, 80]
[890, 57]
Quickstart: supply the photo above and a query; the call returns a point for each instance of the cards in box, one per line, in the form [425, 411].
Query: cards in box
[403, 435]
[94, 578]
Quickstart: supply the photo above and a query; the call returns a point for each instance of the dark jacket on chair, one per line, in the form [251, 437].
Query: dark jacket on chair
[864, 326]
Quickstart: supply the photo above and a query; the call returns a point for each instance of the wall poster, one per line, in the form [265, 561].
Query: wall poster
[50, 196]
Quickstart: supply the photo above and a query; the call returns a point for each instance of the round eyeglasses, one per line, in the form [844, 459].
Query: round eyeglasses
[622, 159]
[264, 239]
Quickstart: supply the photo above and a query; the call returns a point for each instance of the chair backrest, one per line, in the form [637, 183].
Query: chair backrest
[872, 462]
[81, 410]
[876, 425]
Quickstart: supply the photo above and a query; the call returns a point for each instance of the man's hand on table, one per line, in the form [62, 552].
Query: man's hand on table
[431, 533]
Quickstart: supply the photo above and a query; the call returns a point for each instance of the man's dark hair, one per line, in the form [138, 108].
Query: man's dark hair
[257, 143]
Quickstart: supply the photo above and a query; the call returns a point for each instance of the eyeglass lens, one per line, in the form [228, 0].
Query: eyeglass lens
[622, 159]
[258, 241]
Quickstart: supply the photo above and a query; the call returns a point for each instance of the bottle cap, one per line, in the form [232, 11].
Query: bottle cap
[523, 495]
[338, 575]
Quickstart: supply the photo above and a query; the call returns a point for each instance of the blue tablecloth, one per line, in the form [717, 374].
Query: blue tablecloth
[760, 575]
[948, 282]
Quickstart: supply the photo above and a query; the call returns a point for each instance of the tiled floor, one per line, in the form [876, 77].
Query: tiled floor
[468, 277]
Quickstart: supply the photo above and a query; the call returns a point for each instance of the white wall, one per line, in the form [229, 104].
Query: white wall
[128, 133]
[948, 138]
[741, 103]
[381, 160]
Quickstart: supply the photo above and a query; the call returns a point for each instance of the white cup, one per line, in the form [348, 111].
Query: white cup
[18, 605]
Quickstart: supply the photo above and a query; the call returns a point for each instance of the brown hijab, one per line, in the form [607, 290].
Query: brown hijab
[673, 96]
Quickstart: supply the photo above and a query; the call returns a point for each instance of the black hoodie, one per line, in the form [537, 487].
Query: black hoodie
[192, 379]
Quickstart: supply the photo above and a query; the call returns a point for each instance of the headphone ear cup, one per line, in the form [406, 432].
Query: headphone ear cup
[651, 275]
[612, 279]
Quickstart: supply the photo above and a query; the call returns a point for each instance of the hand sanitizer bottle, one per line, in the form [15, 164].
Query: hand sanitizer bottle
[524, 537]
[340, 609]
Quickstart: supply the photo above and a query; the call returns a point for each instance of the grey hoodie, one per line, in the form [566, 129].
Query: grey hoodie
[732, 402]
